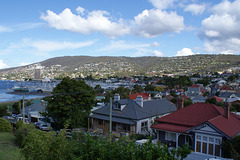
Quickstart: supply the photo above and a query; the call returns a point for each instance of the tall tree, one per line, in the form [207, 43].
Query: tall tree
[122, 91]
[71, 103]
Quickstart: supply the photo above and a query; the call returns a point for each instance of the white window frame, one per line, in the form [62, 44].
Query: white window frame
[172, 135]
[208, 142]
[144, 126]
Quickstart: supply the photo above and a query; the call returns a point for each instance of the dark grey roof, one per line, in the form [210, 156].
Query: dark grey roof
[34, 107]
[228, 94]
[132, 111]
[199, 98]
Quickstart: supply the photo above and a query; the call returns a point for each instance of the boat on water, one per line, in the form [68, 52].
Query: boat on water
[34, 87]
[20, 89]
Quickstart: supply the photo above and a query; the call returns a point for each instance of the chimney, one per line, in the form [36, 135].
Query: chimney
[180, 103]
[116, 97]
[226, 109]
[139, 100]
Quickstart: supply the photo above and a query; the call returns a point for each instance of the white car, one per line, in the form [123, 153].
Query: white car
[44, 127]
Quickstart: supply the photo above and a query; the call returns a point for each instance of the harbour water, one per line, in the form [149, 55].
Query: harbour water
[6, 88]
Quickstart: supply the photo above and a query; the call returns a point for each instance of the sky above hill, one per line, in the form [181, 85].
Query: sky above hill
[33, 31]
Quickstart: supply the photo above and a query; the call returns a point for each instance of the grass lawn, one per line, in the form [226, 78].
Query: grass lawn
[8, 148]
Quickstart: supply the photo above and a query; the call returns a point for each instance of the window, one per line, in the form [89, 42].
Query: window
[170, 136]
[210, 148]
[217, 150]
[198, 146]
[199, 137]
[126, 127]
[208, 145]
[100, 122]
[204, 147]
[117, 106]
[144, 126]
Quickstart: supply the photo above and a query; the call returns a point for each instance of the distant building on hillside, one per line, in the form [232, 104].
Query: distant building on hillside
[37, 74]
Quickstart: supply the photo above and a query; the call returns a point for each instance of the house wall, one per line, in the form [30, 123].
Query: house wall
[117, 128]
[139, 126]
[162, 139]
[212, 141]
[150, 123]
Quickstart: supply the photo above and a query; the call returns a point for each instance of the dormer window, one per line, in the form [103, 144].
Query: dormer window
[117, 106]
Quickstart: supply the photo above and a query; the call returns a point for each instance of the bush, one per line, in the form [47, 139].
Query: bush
[36, 144]
[5, 126]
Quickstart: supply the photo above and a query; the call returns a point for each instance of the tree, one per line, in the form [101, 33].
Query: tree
[212, 101]
[98, 89]
[231, 78]
[137, 88]
[158, 89]
[205, 81]
[3, 111]
[149, 87]
[122, 91]
[71, 103]
[5, 126]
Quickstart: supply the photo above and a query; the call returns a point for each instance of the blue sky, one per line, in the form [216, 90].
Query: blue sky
[33, 31]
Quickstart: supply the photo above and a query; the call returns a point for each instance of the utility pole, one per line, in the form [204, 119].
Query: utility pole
[110, 119]
[23, 110]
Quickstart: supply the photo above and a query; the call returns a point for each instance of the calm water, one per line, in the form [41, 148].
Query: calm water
[5, 87]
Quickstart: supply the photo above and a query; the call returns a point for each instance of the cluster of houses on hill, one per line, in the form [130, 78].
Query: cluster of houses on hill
[202, 126]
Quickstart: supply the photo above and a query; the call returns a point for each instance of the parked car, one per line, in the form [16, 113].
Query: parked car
[37, 125]
[44, 127]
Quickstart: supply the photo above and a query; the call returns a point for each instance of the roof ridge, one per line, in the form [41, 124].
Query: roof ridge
[214, 118]
[215, 107]
[133, 102]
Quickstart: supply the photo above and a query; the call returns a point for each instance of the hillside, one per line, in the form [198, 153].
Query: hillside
[105, 66]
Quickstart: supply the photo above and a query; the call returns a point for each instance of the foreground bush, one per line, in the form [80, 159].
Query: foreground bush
[5, 126]
[36, 144]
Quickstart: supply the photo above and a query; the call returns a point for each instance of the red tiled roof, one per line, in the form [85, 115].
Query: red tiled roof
[195, 86]
[170, 127]
[197, 114]
[218, 99]
[192, 115]
[225, 88]
[230, 126]
[144, 95]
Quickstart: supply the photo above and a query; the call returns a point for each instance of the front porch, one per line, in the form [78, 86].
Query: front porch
[118, 129]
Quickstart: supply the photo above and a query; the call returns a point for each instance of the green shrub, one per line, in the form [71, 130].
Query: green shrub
[5, 126]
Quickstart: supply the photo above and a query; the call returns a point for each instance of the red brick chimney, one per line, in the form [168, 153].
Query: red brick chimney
[180, 103]
[226, 109]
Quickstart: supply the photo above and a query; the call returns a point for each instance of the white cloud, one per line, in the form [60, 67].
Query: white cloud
[162, 4]
[185, 52]
[42, 47]
[124, 45]
[149, 23]
[157, 53]
[221, 29]
[95, 21]
[80, 10]
[2, 64]
[195, 9]
[23, 64]
[155, 44]
[154, 22]
[230, 45]
[212, 33]
[48, 46]
[5, 29]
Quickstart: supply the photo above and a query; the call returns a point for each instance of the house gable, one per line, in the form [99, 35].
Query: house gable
[206, 129]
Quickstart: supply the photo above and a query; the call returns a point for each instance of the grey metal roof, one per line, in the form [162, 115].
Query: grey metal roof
[133, 111]
[114, 119]
[34, 107]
